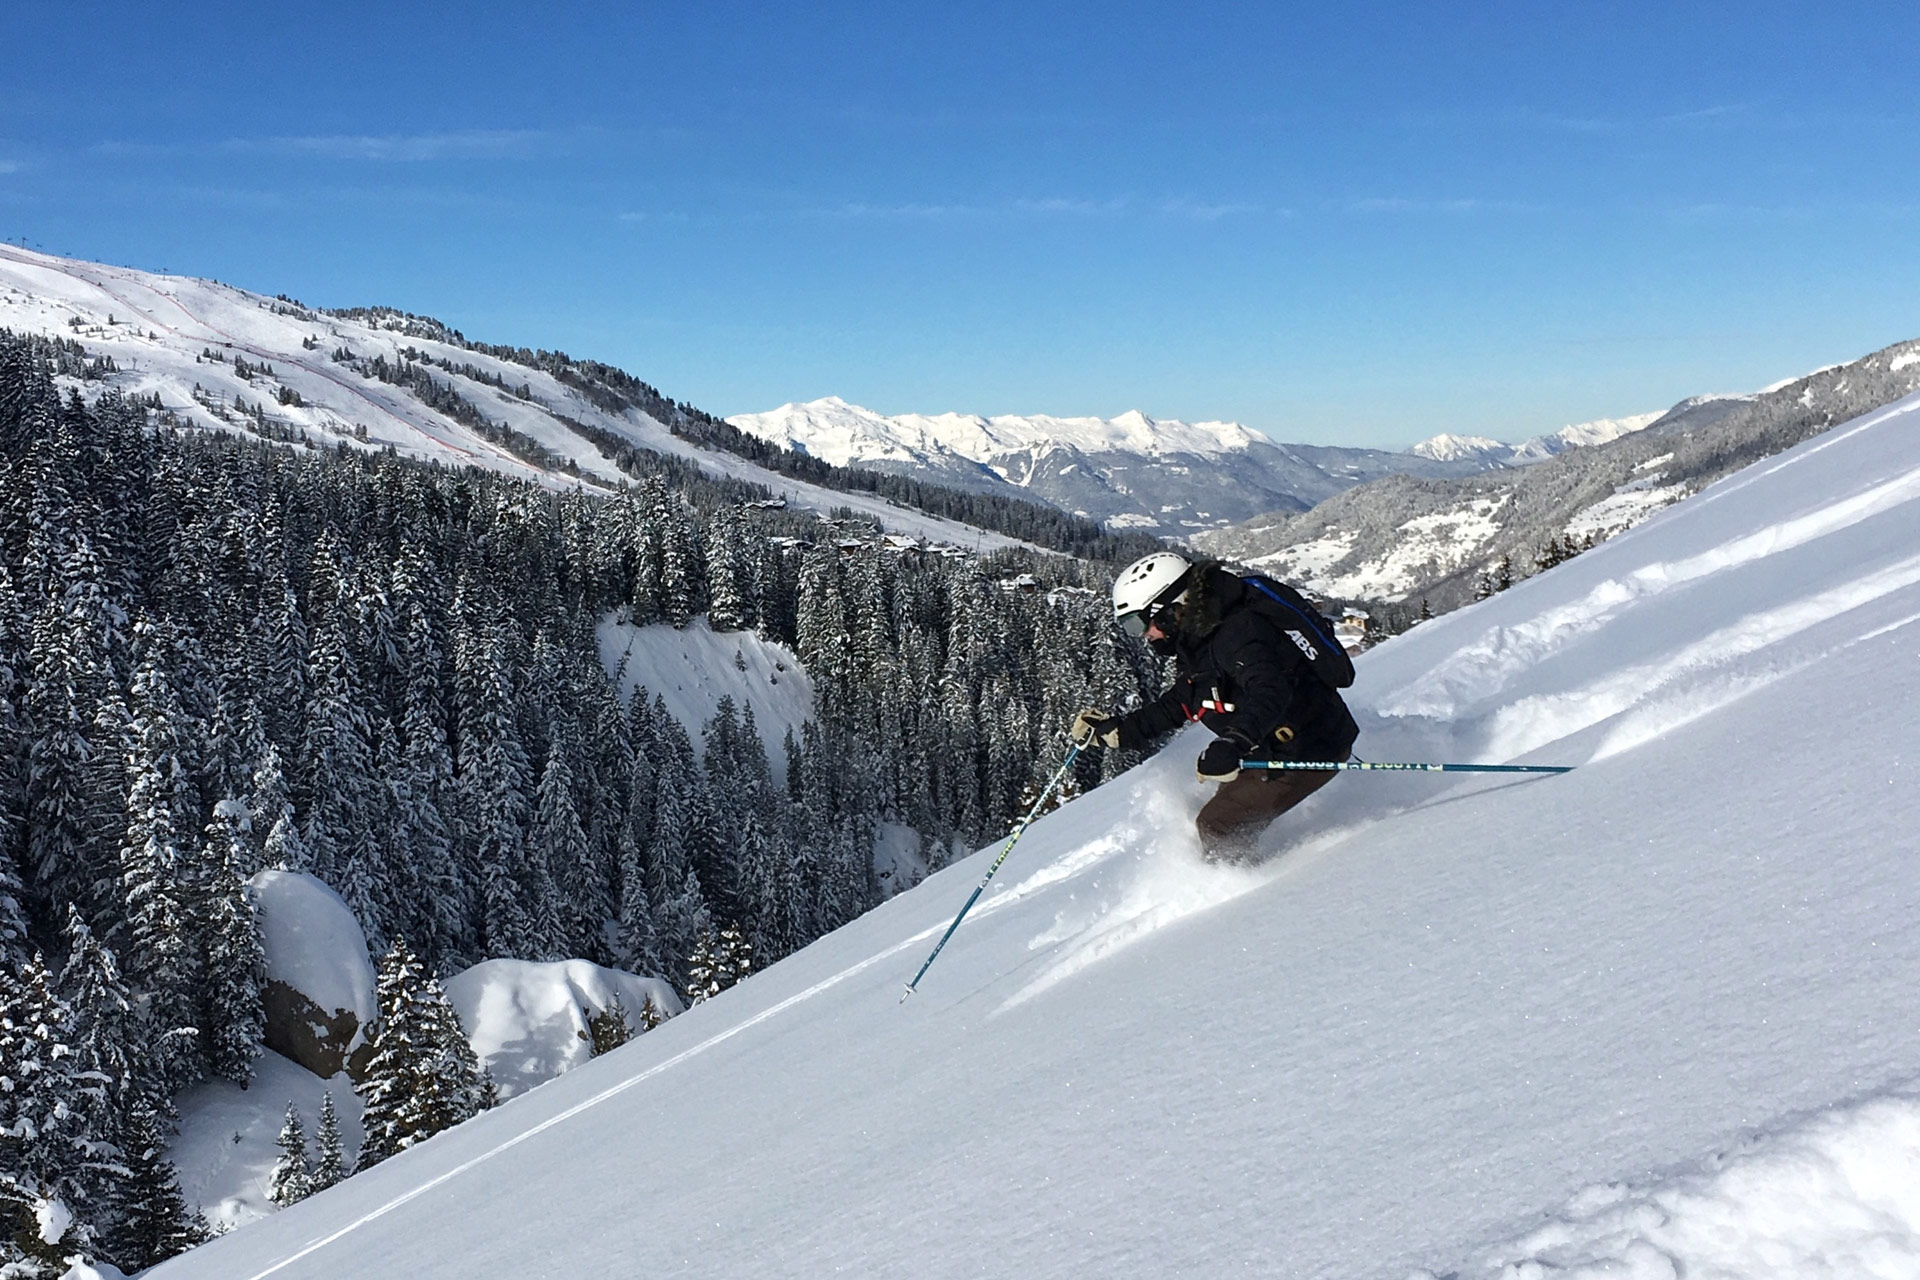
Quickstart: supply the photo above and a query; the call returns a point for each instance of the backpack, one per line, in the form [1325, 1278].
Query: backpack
[1303, 624]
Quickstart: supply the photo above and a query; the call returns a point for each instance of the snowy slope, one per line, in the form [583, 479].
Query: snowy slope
[156, 328]
[692, 667]
[1446, 1021]
[226, 1148]
[1131, 472]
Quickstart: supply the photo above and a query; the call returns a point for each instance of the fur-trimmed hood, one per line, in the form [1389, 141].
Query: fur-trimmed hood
[1213, 594]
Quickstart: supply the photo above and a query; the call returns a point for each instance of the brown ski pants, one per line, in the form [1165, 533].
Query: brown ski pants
[1230, 824]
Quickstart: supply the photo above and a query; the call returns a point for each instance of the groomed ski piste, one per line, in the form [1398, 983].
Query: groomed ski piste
[1656, 1017]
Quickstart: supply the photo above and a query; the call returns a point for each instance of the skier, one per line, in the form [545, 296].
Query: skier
[1242, 674]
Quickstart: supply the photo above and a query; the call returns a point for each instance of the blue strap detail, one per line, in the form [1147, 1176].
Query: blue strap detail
[1313, 623]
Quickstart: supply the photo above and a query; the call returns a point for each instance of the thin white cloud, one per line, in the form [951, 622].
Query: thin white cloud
[1019, 207]
[1071, 205]
[909, 209]
[1432, 205]
[390, 148]
[10, 166]
[1206, 211]
[405, 147]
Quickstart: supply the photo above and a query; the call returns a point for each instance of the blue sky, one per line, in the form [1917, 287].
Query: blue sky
[1352, 224]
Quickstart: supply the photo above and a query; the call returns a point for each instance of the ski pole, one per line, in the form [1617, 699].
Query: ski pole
[1006, 849]
[1407, 767]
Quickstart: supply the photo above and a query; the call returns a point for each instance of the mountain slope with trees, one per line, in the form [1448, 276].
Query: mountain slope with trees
[376, 378]
[1406, 539]
[220, 653]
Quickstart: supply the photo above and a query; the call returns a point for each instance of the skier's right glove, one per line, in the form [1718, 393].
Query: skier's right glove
[1220, 762]
[1092, 726]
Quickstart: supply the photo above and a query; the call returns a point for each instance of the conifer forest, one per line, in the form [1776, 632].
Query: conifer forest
[220, 654]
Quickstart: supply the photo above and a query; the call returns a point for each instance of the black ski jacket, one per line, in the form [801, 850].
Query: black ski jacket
[1229, 653]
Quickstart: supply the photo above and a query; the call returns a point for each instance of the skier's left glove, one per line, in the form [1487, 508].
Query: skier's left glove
[1220, 762]
[1093, 725]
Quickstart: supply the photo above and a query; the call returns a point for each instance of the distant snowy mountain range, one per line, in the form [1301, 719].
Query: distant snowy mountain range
[1159, 475]
[1163, 476]
[1581, 435]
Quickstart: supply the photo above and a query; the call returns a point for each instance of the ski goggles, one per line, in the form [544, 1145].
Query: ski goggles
[1137, 623]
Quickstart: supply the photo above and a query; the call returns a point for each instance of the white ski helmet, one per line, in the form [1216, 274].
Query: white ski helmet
[1147, 586]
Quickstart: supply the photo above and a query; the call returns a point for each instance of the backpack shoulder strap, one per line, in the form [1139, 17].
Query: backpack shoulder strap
[1307, 628]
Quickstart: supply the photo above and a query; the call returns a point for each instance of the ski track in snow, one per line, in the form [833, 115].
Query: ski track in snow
[1533, 722]
[1480, 670]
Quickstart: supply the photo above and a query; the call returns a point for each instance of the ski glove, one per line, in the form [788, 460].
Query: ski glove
[1220, 762]
[1092, 726]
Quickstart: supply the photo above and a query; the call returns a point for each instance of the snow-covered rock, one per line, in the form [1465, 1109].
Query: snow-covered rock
[320, 980]
[93, 1271]
[527, 1021]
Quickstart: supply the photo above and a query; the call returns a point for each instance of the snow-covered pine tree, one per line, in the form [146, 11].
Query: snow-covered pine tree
[157, 880]
[232, 1010]
[609, 1028]
[704, 968]
[494, 776]
[291, 1179]
[679, 899]
[422, 1076]
[44, 1149]
[106, 1044]
[154, 1221]
[13, 911]
[577, 898]
[331, 1163]
[270, 812]
[729, 597]
[440, 916]
[639, 938]
[680, 559]
[720, 959]
[69, 668]
[735, 955]
[338, 756]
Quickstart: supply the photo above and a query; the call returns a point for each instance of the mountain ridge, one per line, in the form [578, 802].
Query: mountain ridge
[1405, 539]
[228, 359]
[1165, 476]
